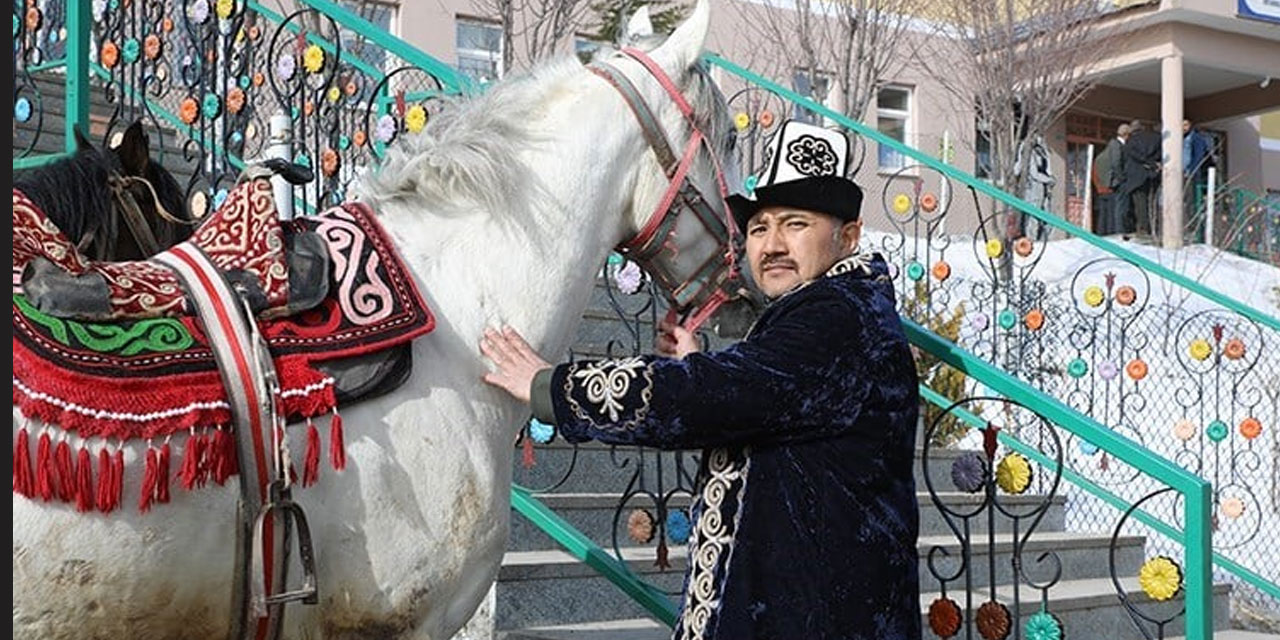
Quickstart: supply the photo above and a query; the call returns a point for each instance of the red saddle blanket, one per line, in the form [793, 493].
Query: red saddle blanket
[153, 378]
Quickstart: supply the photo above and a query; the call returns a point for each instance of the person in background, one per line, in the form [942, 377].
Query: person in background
[1108, 172]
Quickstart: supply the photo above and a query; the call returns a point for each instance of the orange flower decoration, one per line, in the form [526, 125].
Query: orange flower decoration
[329, 162]
[308, 107]
[110, 54]
[1137, 369]
[1234, 349]
[766, 119]
[152, 46]
[358, 138]
[258, 79]
[1023, 246]
[167, 25]
[1125, 295]
[189, 111]
[352, 88]
[1034, 319]
[235, 100]
[941, 270]
[929, 202]
[1250, 428]
[33, 19]
[254, 32]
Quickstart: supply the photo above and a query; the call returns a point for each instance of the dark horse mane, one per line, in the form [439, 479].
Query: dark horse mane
[74, 194]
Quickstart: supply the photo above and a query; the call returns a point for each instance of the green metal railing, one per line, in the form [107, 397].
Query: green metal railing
[79, 24]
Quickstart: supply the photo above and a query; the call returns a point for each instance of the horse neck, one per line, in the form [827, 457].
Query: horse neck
[533, 267]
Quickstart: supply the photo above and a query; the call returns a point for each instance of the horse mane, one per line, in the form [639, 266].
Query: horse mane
[71, 192]
[468, 154]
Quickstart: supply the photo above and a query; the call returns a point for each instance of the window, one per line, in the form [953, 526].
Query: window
[893, 119]
[479, 50]
[383, 16]
[812, 86]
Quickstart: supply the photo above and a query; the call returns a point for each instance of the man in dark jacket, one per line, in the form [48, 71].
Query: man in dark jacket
[1108, 170]
[806, 521]
[1141, 161]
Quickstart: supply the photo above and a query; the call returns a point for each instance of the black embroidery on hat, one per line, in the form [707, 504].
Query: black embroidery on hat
[812, 156]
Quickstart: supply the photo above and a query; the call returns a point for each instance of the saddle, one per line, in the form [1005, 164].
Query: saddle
[280, 272]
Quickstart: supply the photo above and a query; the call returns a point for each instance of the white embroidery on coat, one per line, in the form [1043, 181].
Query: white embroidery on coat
[606, 383]
[711, 545]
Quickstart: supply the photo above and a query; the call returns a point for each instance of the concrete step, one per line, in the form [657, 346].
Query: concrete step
[534, 585]
[594, 513]
[1087, 609]
[595, 467]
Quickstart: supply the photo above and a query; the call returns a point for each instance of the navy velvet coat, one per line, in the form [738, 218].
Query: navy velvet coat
[806, 521]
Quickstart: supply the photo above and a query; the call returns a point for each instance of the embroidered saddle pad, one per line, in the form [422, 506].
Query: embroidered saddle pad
[149, 378]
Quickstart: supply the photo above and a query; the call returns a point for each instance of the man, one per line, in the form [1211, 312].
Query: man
[1141, 156]
[1107, 173]
[806, 521]
[1196, 160]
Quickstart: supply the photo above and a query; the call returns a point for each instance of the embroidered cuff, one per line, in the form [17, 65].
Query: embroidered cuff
[540, 397]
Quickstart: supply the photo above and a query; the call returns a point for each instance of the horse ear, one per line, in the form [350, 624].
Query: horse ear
[684, 48]
[639, 26]
[83, 143]
[133, 152]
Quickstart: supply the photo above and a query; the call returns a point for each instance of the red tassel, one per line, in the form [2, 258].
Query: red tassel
[337, 450]
[149, 479]
[84, 481]
[206, 459]
[191, 455]
[311, 462]
[104, 480]
[44, 468]
[528, 453]
[223, 455]
[22, 481]
[66, 472]
[162, 474]
[117, 478]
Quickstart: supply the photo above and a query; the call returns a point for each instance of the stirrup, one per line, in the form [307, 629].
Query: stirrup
[308, 594]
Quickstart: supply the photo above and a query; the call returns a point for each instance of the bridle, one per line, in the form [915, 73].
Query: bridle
[125, 205]
[694, 294]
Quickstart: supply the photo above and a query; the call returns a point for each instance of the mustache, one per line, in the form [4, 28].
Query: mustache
[784, 262]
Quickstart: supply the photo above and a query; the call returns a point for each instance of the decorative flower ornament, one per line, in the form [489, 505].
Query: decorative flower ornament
[415, 119]
[1160, 578]
[1184, 429]
[1013, 474]
[1043, 626]
[541, 432]
[235, 100]
[1217, 431]
[741, 121]
[929, 203]
[1234, 350]
[994, 248]
[945, 617]
[33, 19]
[1250, 428]
[766, 118]
[189, 110]
[259, 79]
[1034, 319]
[628, 278]
[152, 47]
[1200, 349]
[640, 526]
[1077, 368]
[678, 526]
[1108, 370]
[1087, 448]
[915, 270]
[969, 472]
[1125, 295]
[1007, 319]
[313, 59]
[334, 94]
[358, 138]
[329, 162]
[901, 203]
[1137, 369]
[286, 66]
[22, 110]
[993, 621]
[941, 270]
[225, 8]
[980, 321]
[109, 55]
[212, 106]
[1094, 296]
[1023, 246]
[385, 130]
[1233, 507]
[198, 11]
[132, 49]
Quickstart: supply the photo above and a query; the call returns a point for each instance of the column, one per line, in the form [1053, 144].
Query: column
[1172, 216]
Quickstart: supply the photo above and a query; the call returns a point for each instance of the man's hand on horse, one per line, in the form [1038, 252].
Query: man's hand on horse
[517, 362]
[674, 341]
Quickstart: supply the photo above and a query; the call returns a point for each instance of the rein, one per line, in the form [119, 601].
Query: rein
[129, 208]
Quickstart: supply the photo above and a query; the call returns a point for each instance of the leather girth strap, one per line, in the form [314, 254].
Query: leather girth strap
[266, 514]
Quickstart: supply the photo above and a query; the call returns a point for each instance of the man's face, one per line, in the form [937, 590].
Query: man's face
[1186, 126]
[786, 246]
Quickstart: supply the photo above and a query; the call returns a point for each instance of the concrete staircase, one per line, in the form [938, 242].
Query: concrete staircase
[544, 594]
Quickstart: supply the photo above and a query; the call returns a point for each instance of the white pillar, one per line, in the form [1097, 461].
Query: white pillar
[280, 145]
[1086, 219]
[1171, 129]
[1209, 209]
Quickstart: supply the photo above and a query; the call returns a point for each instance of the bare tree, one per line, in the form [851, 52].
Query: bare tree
[533, 30]
[1021, 64]
[845, 49]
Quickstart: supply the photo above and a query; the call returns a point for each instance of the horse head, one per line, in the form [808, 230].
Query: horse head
[88, 195]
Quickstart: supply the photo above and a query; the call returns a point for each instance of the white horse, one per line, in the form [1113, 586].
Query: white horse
[504, 210]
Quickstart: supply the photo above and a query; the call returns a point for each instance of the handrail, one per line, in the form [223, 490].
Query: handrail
[582, 548]
[76, 96]
[1196, 492]
[1122, 505]
[1008, 199]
